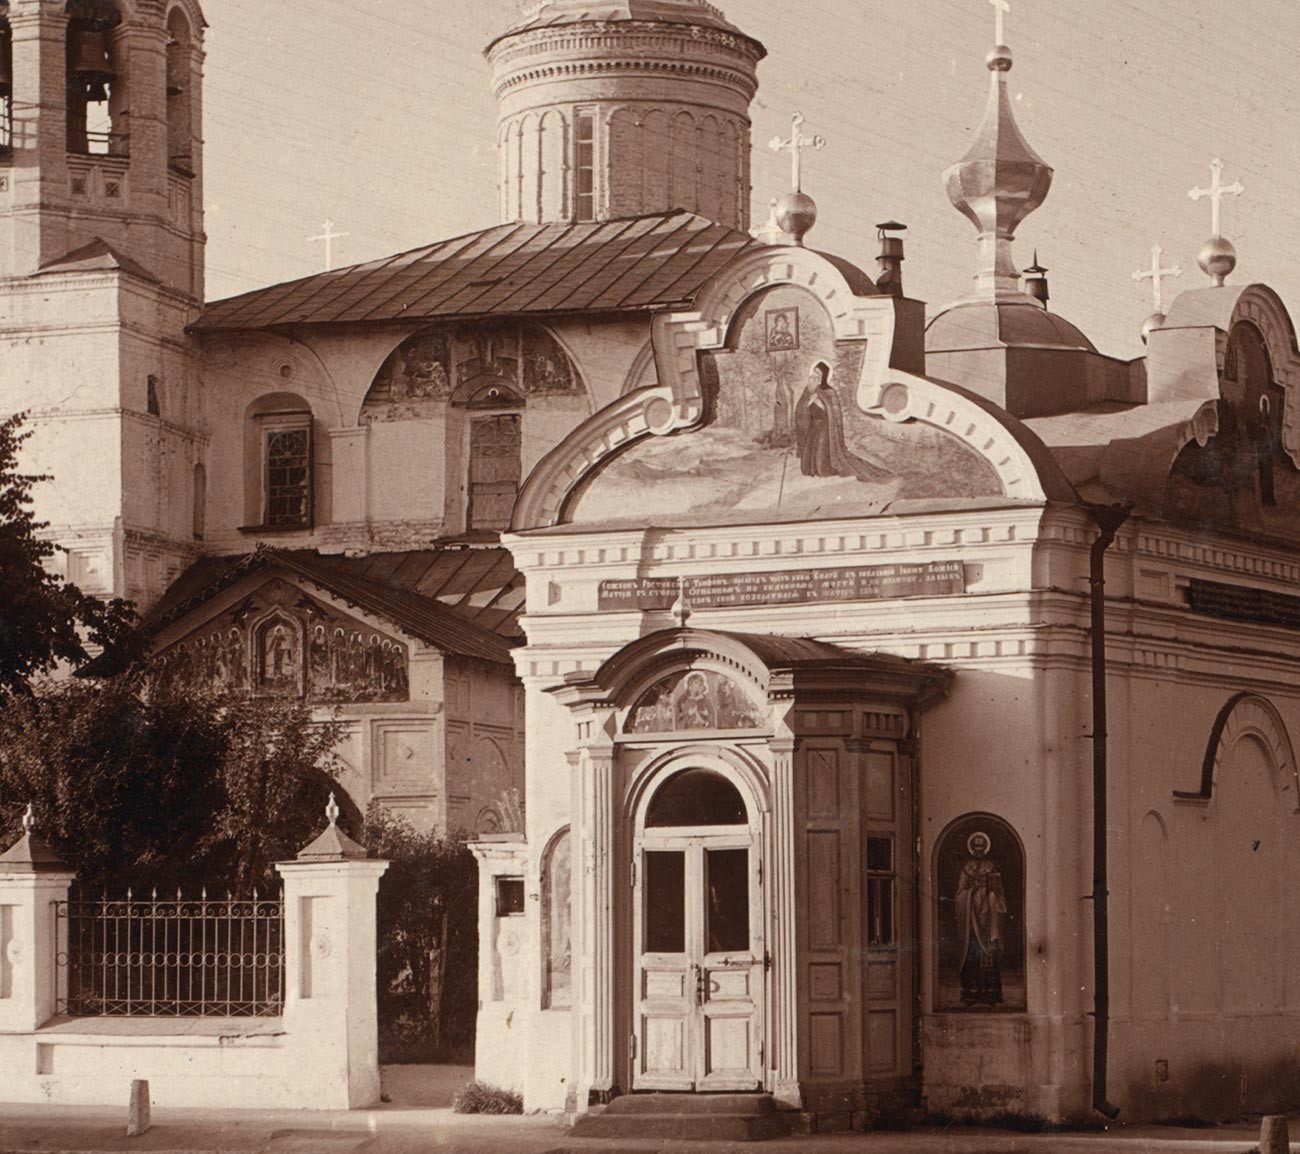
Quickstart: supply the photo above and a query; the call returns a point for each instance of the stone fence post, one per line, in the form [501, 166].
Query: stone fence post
[33, 879]
[331, 1007]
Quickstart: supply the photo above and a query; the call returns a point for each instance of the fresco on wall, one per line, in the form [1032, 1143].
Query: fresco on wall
[783, 437]
[980, 877]
[1241, 478]
[459, 363]
[282, 642]
[693, 700]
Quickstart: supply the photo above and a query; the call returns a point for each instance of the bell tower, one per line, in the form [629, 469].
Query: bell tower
[622, 108]
[101, 270]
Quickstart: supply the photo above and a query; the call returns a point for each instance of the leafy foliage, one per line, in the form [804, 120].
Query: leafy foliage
[44, 619]
[428, 939]
[480, 1098]
[144, 783]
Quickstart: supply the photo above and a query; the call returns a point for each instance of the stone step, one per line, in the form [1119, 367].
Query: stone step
[692, 1104]
[685, 1118]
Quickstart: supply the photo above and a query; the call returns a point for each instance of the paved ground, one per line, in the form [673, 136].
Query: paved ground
[419, 1120]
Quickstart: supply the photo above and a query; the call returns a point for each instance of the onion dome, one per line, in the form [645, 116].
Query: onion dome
[998, 183]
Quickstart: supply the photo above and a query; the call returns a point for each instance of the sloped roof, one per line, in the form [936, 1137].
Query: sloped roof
[636, 264]
[98, 256]
[996, 324]
[461, 600]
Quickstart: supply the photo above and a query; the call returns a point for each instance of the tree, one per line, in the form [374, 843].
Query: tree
[428, 939]
[141, 782]
[44, 619]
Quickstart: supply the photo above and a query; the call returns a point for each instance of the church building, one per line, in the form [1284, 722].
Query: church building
[901, 706]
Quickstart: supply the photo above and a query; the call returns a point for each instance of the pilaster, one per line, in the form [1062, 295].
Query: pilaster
[783, 1052]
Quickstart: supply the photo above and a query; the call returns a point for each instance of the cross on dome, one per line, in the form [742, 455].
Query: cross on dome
[795, 146]
[1215, 193]
[1000, 10]
[1156, 275]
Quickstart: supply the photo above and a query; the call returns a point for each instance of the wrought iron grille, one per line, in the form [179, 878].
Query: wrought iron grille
[173, 957]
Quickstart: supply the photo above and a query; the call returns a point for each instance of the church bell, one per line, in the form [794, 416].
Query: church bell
[90, 65]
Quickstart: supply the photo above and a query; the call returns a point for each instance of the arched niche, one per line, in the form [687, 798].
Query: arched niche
[557, 921]
[277, 649]
[454, 365]
[180, 96]
[691, 701]
[979, 887]
[1247, 715]
[783, 436]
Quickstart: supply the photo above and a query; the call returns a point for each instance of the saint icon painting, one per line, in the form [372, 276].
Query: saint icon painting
[981, 954]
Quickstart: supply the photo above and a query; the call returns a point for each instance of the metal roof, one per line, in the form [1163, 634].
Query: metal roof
[636, 264]
[462, 600]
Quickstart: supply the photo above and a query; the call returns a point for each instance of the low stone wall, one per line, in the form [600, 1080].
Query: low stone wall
[321, 1053]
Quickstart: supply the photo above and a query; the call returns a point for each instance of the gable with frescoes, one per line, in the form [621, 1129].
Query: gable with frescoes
[283, 641]
[783, 437]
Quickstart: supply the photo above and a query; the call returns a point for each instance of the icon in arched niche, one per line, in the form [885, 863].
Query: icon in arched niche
[980, 881]
[691, 700]
[277, 645]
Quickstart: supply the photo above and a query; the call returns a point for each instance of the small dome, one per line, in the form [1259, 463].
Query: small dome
[989, 324]
[557, 12]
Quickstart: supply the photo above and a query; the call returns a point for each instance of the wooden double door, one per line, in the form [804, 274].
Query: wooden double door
[698, 953]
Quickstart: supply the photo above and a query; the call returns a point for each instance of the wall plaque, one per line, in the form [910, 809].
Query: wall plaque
[787, 587]
[1243, 603]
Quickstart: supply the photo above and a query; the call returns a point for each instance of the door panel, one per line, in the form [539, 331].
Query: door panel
[699, 964]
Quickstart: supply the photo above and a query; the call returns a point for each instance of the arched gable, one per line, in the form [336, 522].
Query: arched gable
[1261, 306]
[1247, 715]
[861, 328]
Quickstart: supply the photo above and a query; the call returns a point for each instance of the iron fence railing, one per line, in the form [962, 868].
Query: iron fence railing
[173, 957]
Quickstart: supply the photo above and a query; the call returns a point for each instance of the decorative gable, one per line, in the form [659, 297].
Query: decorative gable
[280, 640]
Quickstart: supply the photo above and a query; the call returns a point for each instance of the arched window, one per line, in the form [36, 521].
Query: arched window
[980, 887]
[96, 81]
[279, 463]
[696, 797]
[180, 115]
[557, 948]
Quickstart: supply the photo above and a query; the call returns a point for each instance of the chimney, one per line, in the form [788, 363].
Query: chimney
[1036, 282]
[890, 279]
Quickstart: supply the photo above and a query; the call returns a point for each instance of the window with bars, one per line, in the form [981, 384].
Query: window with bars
[584, 166]
[287, 471]
[880, 891]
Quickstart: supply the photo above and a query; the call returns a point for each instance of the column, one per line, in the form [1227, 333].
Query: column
[33, 880]
[331, 1012]
[598, 862]
[783, 1058]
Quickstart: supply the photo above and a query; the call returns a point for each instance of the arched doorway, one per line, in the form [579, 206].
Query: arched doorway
[697, 935]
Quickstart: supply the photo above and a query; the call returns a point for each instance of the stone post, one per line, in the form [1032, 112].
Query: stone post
[1273, 1136]
[33, 880]
[331, 1011]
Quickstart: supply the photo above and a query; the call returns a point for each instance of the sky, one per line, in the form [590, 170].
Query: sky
[378, 116]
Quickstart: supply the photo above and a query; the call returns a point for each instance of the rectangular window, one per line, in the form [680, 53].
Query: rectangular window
[510, 897]
[880, 891]
[584, 167]
[495, 445]
[287, 471]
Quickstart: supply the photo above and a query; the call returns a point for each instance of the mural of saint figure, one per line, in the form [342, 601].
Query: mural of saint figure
[980, 905]
[694, 707]
[279, 661]
[819, 433]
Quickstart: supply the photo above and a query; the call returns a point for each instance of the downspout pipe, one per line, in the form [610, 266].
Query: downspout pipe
[1108, 519]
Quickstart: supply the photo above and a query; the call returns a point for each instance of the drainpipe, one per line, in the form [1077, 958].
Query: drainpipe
[1108, 519]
